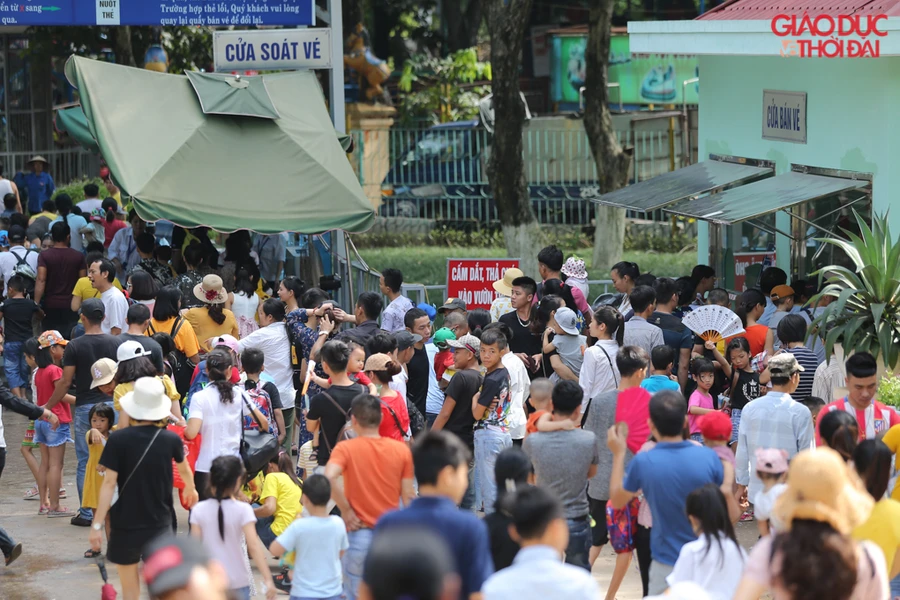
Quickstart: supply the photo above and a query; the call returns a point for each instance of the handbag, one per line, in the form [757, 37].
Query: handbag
[258, 446]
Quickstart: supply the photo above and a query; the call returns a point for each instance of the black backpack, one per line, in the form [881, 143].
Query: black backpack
[182, 368]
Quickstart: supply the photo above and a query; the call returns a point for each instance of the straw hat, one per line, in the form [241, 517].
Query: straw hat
[822, 487]
[211, 290]
[148, 400]
[504, 286]
[377, 362]
[38, 158]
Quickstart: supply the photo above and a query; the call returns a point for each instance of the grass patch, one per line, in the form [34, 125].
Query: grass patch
[428, 265]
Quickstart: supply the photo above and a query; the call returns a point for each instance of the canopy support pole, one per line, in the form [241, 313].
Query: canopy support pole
[336, 80]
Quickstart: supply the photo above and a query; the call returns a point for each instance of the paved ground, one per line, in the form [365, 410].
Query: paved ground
[52, 567]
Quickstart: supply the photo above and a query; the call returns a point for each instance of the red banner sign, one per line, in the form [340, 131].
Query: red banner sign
[471, 279]
[743, 260]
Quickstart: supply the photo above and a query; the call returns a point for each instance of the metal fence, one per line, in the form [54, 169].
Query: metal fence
[65, 165]
[442, 173]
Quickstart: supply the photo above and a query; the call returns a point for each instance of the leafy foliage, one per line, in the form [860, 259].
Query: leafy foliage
[75, 189]
[889, 391]
[865, 315]
[442, 90]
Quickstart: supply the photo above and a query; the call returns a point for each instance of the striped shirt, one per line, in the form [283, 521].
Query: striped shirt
[810, 362]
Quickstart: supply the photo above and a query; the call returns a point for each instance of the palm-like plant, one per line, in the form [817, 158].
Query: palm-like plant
[865, 317]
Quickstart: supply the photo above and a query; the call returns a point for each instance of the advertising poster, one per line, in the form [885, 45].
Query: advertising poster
[471, 279]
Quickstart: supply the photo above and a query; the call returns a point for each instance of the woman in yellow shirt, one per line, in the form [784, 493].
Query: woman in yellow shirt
[279, 499]
[133, 363]
[872, 459]
[167, 320]
[212, 319]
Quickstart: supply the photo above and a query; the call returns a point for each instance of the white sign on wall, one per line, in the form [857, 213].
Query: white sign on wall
[272, 49]
[784, 116]
[108, 12]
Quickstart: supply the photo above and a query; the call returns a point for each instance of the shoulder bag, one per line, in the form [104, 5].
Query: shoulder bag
[346, 431]
[394, 416]
[137, 464]
[258, 447]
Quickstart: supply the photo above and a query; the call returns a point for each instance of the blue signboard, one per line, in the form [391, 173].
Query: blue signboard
[158, 12]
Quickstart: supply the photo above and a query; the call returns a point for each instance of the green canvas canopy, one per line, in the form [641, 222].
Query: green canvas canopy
[256, 153]
[72, 121]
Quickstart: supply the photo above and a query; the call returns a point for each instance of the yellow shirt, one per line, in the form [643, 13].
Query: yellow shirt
[892, 440]
[186, 340]
[49, 215]
[205, 328]
[287, 499]
[93, 480]
[883, 529]
[85, 290]
[124, 388]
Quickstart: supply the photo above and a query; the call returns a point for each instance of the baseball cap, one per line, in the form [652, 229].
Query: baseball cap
[452, 304]
[429, 309]
[441, 336]
[377, 362]
[93, 308]
[771, 460]
[169, 562]
[225, 340]
[784, 365]
[51, 337]
[406, 340]
[781, 291]
[567, 320]
[16, 233]
[130, 349]
[103, 371]
[4, 239]
[468, 342]
[715, 426]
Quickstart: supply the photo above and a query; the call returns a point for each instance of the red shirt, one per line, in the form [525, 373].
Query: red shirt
[110, 229]
[45, 380]
[885, 418]
[633, 407]
[443, 360]
[388, 427]
[531, 427]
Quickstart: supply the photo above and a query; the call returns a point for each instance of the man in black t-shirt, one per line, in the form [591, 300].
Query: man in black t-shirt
[524, 344]
[331, 414]
[138, 320]
[80, 355]
[456, 413]
[418, 323]
[17, 313]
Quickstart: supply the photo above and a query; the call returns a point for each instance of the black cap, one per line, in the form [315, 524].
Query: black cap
[452, 304]
[93, 309]
[16, 233]
[169, 562]
[406, 340]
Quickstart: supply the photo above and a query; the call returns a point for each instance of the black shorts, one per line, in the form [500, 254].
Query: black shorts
[599, 534]
[126, 546]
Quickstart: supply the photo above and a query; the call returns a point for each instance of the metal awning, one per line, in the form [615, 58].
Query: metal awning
[765, 197]
[714, 175]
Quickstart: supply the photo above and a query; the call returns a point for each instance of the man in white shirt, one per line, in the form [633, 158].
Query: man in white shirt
[538, 571]
[17, 253]
[392, 318]
[272, 339]
[102, 273]
[91, 200]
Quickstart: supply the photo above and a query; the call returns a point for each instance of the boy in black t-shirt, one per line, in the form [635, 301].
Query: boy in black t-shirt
[252, 360]
[17, 312]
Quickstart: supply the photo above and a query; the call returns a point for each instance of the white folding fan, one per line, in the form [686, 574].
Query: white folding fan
[713, 323]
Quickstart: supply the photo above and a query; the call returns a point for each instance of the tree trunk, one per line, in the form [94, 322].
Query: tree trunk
[506, 168]
[613, 162]
[124, 50]
[463, 19]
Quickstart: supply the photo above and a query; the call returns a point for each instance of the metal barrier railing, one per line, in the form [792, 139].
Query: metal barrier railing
[65, 165]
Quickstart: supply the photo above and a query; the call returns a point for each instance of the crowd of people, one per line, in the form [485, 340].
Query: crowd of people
[437, 452]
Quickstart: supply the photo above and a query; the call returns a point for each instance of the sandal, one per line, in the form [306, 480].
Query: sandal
[746, 516]
[31, 494]
[62, 512]
[91, 553]
[314, 454]
[43, 510]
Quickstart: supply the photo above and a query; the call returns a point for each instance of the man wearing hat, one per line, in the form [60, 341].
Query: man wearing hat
[39, 185]
[452, 305]
[773, 421]
[502, 304]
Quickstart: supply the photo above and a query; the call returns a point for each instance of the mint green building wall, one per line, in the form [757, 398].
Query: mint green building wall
[853, 121]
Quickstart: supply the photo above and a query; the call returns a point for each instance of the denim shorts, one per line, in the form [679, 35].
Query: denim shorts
[43, 434]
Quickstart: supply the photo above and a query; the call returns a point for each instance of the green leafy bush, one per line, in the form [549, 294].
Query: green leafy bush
[889, 391]
[75, 189]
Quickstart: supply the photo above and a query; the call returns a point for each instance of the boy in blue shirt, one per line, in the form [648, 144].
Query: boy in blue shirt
[662, 358]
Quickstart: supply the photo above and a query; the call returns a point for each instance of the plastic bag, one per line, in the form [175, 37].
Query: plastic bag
[191, 451]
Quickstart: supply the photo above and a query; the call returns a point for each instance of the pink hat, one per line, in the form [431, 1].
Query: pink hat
[574, 267]
[225, 340]
[771, 460]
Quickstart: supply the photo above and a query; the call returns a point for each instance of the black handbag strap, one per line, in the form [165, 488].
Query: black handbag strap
[611, 366]
[140, 460]
[252, 414]
[394, 415]
[343, 412]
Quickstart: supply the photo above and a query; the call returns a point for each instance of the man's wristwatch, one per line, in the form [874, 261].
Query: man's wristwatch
[96, 526]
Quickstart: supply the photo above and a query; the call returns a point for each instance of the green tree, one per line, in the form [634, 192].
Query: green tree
[443, 90]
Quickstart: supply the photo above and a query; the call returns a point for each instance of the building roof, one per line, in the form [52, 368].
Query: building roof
[745, 10]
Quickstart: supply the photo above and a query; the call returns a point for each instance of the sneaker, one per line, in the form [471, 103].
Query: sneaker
[43, 510]
[31, 494]
[746, 516]
[15, 553]
[62, 512]
[80, 521]
[314, 455]
[282, 582]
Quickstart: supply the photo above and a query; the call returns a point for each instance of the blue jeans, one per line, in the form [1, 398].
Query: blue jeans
[82, 420]
[6, 542]
[264, 529]
[17, 372]
[240, 593]
[488, 444]
[895, 587]
[354, 559]
[468, 501]
[579, 542]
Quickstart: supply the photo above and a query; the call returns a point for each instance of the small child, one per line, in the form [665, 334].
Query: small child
[318, 540]
[279, 499]
[94, 231]
[443, 360]
[744, 381]
[222, 521]
[568, 342]
[514, 472]
[103, 420]
[701, 401]
[17, 313]
[782, 297]
[52, 443]
[815, 405]
[715, 427]
[662, 359]
[262, 393]
[771, 468]
[716, 560]
[134, 362]
[30, 351]
[542, 401]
